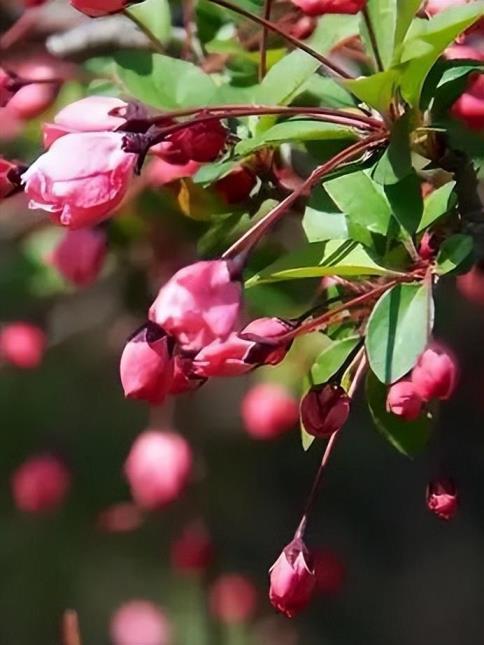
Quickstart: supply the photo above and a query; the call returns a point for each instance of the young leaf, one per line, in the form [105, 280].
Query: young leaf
[398, 330]
[331, 359]
[155, 14]
[455, 253]
[376, 90]
[408, 437]
[437, 204]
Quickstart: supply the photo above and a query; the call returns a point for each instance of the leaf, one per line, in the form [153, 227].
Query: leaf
[327, 92]
[405, 199]
[197, 202]
[398, 330]
[292, 131]
[455, 252]
[155, 14]
[446, 82]
[376, 90]
[383, 17]
[408, 437]
[332, 358]
[210, 172]
[322, 220]
[336, 257]
[395, 163]
[437, 204]
[406, 10]
[164, 82]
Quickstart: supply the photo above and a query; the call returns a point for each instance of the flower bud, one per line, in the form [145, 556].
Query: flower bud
[236, 186]
[202, 142]
[324, 409]
[403, 401]
[442, 498]
[184, 379]
[10, 174]
[146, 367]
[7, 87]
[158, 468]
[192, 551]
[233, 598]
[269, 410]
[427, 249]
[470, 285]
[96, 8]
[330, 572]
[199, 304]
[40, 484]
[321, 7]
[292, 579]
[33, 99]
[123, 517]
[79, 255]
[140, 622]
[469, 107]
[435, 374]
[303, 27]
[22, 345]
[81, 179]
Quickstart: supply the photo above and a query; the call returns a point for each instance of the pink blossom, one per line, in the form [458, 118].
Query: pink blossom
[123, 517]
[22, 345]
[236, 186]
[161, 172]
[330, 571]
[469, 107]
[233, 598]
[192, 551]
[321, 7]
[146, 366]
[471, 285]
[79, 255]
[403, 400]
[269, 410]
[10, 173]
[292, 579]
[199, 304]
[96, 8]
[140, 622]
[324, 409]
[40, 484]
[81, 179]
[442, 498]
[90, 114]
[435, 374]
[33, 99]
[158, 468]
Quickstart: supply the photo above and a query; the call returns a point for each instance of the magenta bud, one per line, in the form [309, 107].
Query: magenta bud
[292, 579]
[403, 400]
[40, 484]
[435, 374]
[442, 498]
[147, 365]
[22, 345]
[324, 409]
[321, 7]
[202, 142]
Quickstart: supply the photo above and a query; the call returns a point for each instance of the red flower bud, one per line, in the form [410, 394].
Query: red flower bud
[442, 498]
[237, 185]
[40, 484]
[303, 27]
[269, 410]
[321, 7]
[79, 256]
[22, 345]
[192, 552]
[200, 142]
[404, 401]
[471, 285]
[96, 8]
[435, 374]
[427, 248]
[292, 579]
[146, 366]
[324, 409]
[233, 598]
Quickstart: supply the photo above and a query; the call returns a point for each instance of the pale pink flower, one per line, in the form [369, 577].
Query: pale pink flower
[79, 255]
[269, 410]
[403, 400]
[233, 598]
[140, 622]
[435, 374]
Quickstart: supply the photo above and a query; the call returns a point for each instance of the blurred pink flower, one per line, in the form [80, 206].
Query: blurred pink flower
[22, 344]
[122, 517]
[403, 400]
[160, 172]
[40, 484]
[79, 255]
[192, 551]
[140, 622]
[330, 571]
[469, 107]
[96, 8]
[471, 285]
[269, 410]
[233, 598]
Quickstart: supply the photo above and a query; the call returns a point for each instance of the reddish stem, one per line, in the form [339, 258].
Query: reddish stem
[70, 628]
[263, 42]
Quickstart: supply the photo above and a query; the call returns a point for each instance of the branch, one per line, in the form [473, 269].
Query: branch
[155, 42]
[263, 42]
[373, 40]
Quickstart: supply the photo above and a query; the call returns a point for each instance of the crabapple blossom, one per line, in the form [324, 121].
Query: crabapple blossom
[96, 8]
[321, 7]
[269, 410]
[442, 498]
[435, 373]
[140, 622]
[192, 551]
[292, 579]
[40, 484]
[79, 255]
[233, 598]
[324, 409]
[469, 107]
[403, 400]
[22, 344]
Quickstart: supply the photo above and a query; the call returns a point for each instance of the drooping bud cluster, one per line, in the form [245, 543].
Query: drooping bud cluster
[442, 498]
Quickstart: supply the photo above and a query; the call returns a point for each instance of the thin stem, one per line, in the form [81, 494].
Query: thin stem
[70, 628]
[294, 41]
[263, 42]
[187, 10]
[155, 42]
[254, 234]
[374, 43]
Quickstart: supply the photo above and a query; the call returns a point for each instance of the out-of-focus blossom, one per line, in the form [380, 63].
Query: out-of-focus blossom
[403, 400]
[40, 484]
[96, 8]
[140, 622]
[123, 517]
[324, 409]
[192, 551]
[32, 100]
[442, 498]
[303, 27]
[269, 410]
[292, 579]
[199, 304]
[81, 179]
[79, 255]
[469, 107]
[22, 344]
[7, 89]
[321, 7]
[158, 467]
[435, 374]
[10, 174]
[160, 172]
[330, 571]
[471, 285]
[236, 186]
[233, 598]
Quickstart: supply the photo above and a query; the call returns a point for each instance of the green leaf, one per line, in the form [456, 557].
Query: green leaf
[155, 14]
[210, 172]
[408, 437]
[398, 330]
[336, 257]
[395, 163]
[332, 358]
[164, 82]
[322, 220]
[446, 82]
[376, 90]
[325, 91]
[437, 204]
[292, 131]
[405, 199]
[383, 17]
[455, 252]
[406, 10]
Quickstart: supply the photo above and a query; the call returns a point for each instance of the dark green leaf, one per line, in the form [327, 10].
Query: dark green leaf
[332, 358]
[405, 198]
[395, 163]
[398, 330]
[437, 204]
[456, 252]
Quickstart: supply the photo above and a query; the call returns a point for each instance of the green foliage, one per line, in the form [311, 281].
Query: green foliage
[455, 254]
[437, 204]
[332, 358]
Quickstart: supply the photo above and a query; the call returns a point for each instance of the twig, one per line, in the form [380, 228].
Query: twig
[155, 42]
[374, 43]
[263, 42]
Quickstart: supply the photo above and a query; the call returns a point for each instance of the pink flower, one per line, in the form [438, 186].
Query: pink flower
[81, 179]
[158, 468]
[469, 107]
[123, 517]
[192, 551]
[269, 410]
[292, 579]
[7, 89]
[330, 572]
[236, 186]
[22, 345]
[435, 374]
[233, 598]
[442, 498]
[199, 304]
[303, 27]
[96, 8]
[404, 401]
[471, 285]
[324, 409]
[40, 484]
[146, 366]
[161, 172]
[140, 622]
[320, 7]
[79, 255]
[10, 173]
[33, 99]
[90, 114]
